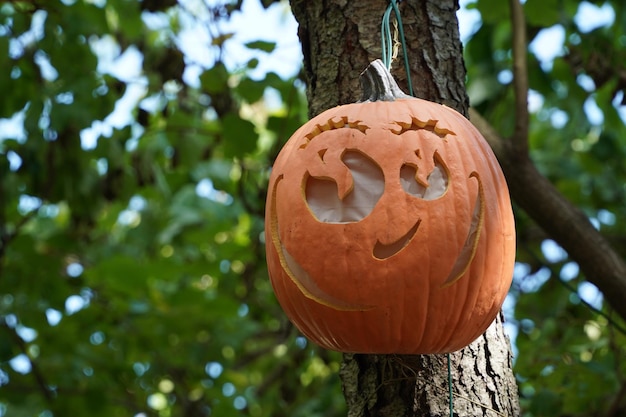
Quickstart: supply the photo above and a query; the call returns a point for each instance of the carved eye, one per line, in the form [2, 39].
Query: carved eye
[368, 185]
[437, 181]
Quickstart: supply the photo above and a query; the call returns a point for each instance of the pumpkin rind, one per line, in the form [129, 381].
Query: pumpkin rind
[418, 298]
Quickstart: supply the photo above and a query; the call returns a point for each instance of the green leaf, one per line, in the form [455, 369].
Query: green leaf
[543, 12]
[215, 80]
[264, 46]
[251, 90]
[239, 136]
[493, 11]
[221, 39]
[218, 170]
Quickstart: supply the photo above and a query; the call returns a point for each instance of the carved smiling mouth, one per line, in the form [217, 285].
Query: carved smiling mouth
[383, 251]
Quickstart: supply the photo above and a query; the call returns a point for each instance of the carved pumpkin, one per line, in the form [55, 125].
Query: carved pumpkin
[389, 226]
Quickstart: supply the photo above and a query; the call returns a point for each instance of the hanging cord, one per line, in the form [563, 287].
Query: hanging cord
[387, 55]
[385, 34]
[387, 42]
[451, 403]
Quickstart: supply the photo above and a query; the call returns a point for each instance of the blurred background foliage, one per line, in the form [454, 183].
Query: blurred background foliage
[134, 156]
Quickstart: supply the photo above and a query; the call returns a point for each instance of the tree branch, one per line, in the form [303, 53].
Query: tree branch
[520, 77]
[567, 225]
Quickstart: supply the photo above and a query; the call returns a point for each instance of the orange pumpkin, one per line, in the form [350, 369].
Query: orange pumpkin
[389, 226]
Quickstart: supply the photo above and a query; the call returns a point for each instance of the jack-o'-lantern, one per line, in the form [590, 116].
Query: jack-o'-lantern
[389, 226]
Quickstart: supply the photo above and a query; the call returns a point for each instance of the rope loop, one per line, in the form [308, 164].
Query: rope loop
[387, 40]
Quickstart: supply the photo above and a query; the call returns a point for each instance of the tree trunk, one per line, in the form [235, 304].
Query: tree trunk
[339, 39]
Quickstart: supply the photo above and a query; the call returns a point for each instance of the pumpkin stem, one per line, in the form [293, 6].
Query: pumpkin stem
[377, 84]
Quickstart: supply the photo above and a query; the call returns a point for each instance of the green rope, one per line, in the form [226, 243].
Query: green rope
[387, 55]
[451, 403]
[385, 33]
[387, 42]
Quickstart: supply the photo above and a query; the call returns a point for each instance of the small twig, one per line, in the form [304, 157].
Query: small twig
[7, 237]
[37, 374]
[617, 349]
[278, 337]
[241, 191]
[599, 312]
[613, 323]
[617, 405]
[32, 5]
[520, 77]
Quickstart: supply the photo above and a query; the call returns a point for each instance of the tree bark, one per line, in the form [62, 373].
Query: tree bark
[339, 38]
[412, 386]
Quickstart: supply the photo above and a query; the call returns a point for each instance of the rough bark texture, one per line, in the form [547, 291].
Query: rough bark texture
[339, 38]
[411, 386]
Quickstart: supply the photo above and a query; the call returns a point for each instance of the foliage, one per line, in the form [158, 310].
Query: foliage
[133, 279]
[132, 271]
[570, 354]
